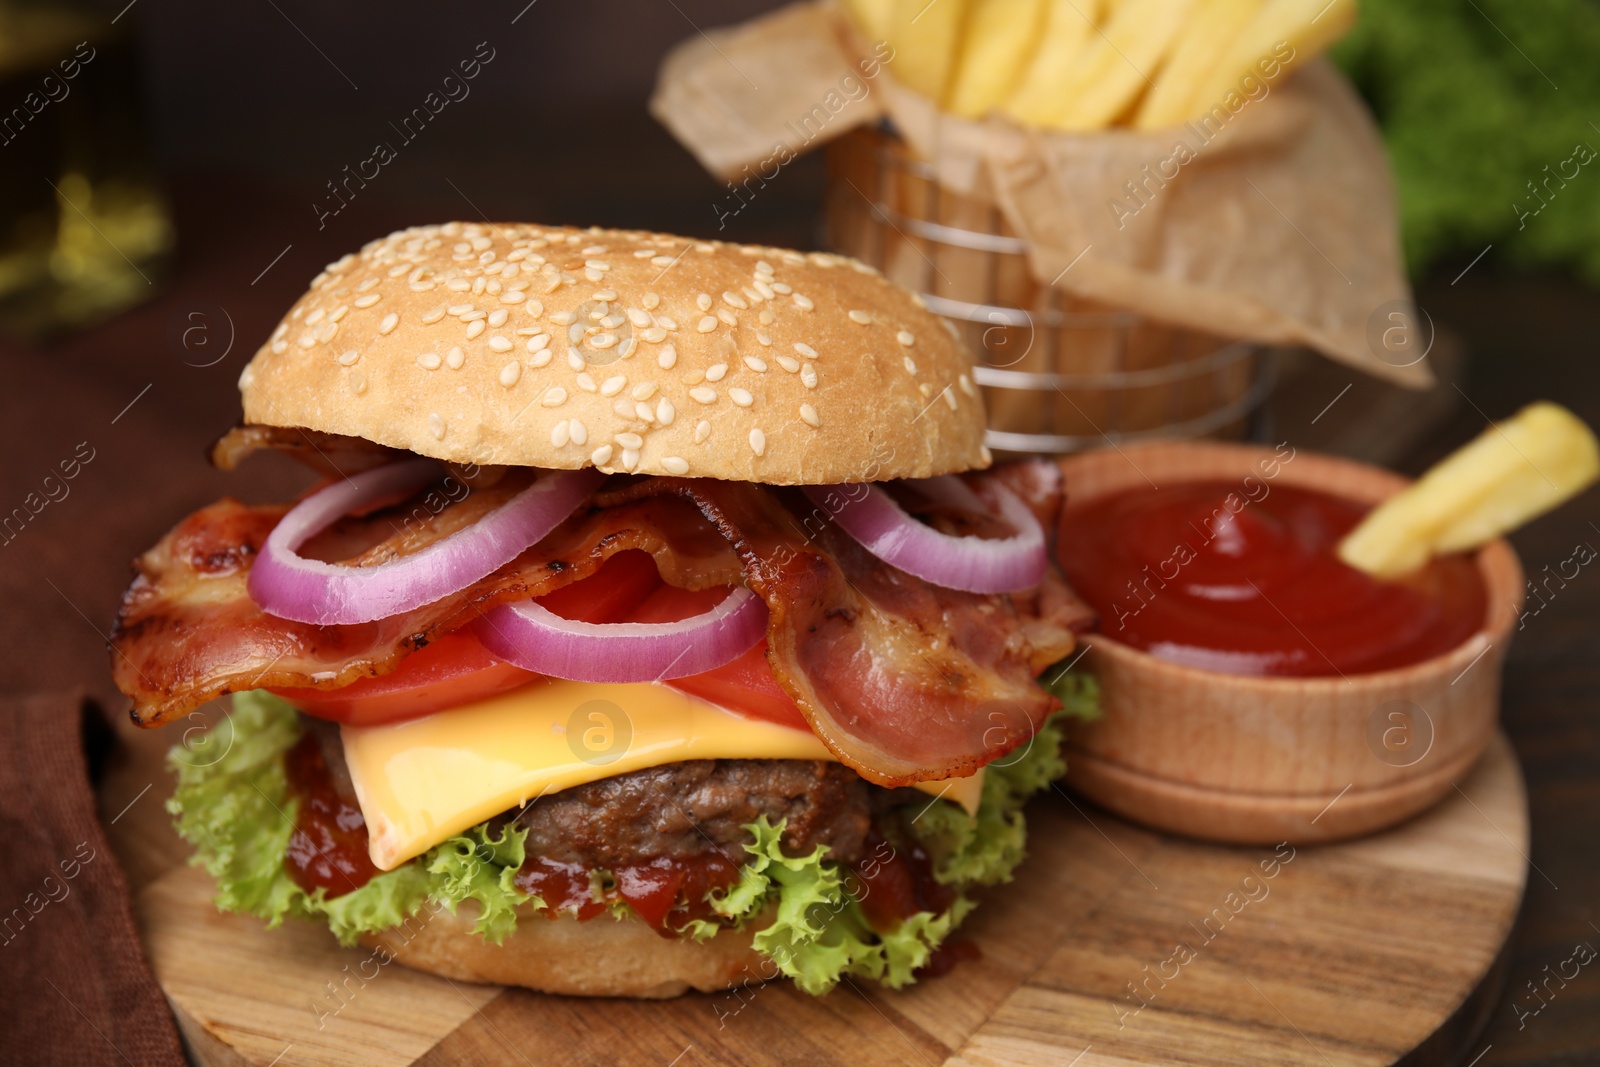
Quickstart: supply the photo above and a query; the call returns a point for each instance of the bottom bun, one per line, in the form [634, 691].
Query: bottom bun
[600, 957]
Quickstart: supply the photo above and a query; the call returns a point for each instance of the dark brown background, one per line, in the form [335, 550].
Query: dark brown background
[249, 120]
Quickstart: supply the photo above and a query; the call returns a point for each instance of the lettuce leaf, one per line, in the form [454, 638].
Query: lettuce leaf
[236, 810]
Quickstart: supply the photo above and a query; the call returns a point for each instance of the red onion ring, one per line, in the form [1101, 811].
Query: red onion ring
[537, 639]
[330, 594]
[972, 564]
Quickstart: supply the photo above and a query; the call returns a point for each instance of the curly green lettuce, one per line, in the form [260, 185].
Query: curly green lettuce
[237, 811]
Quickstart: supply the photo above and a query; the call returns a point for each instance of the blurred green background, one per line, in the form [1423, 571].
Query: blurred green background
[1489, 108]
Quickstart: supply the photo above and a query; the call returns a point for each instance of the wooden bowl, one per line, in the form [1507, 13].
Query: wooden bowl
[1255, 760]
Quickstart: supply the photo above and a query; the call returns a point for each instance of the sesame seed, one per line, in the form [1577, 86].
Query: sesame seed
[455, 357]
[532, 307]
[339, 313]
[650, 301]
[474, 328]
[575, 333]
[667, 356]
[585, 382]
[598, 264]
[767, 291]
[860, 317]
[702, 430]
[950, 397]
[626, 348]
[966, 385]
[704, 393]
[433, 315]
[498, 316]
[560, 434]
[473, 315]
[655, 335]
[644, 390]
[574, 360]
[715, 372]
[357, 382]
[613, 385]
[537, 342]
[594, 250]
[436, 426]
[642, 410]
[808, 376]
[788, 363]
[315, 317]
[674, 464]
[629, 440]
[600, 456]
[623, 407]
[510, 373]
[751, 295]
[366, 300]
[706, 324]
[500, 344]
[580, 432]
[554, 397]
[784, 289]
[766, 317]
[367, 284]
[734, 300]
[756, 363]
[666, 323]
[605, 296]
[727, 316]
[540, 358]
[459, 309]
[661, 261]
[603, 340]
[280, 347]
[665, 412]
[764, 337]
[563, 318]
[703, 301]
[763, 267]
[911, 365]
[741, 397]
[805, 350]
[428, 361]
[630, 458]
[758, 441]
[594, 275]
[905, 338]
[327, 332]
[808, 415]
[639, 317]
[348, 358]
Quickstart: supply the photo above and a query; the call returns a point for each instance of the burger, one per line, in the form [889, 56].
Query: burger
[654, 622]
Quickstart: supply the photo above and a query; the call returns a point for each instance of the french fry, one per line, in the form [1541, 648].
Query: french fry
[925, 35]
[871, 16]
[1284, 34]
[1000, 39]
[1207, 42]
[1068, 27]
[1120, 63]
[1512, 472]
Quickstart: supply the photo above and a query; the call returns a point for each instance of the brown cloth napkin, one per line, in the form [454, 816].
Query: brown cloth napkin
[74, 984]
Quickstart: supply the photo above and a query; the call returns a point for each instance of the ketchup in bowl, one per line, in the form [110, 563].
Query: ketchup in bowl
[1177, 572]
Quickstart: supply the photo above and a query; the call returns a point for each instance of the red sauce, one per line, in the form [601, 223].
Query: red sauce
[943, 959]
[328, 848]
[1176, 572]
[896, 882]
[667, 892]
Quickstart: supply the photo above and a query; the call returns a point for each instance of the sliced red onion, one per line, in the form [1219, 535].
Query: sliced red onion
[537, 639]
[329, 594]
[973, 564]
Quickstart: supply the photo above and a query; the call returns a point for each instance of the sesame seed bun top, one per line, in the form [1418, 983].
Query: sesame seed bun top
[629, 351]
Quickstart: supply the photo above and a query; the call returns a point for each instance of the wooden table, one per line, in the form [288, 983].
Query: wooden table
[147, 406]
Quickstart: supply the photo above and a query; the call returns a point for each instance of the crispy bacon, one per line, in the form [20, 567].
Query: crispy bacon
[902, 680]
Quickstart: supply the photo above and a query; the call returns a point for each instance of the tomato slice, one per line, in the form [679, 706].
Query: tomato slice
[455, 669]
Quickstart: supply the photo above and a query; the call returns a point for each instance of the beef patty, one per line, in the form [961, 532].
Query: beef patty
[682, 810]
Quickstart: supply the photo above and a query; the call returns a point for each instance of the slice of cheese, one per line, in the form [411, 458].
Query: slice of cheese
[426, 780]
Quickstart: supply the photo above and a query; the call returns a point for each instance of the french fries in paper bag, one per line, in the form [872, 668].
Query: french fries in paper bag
[1271, 218]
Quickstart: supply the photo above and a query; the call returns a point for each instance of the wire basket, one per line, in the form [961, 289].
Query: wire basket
[1059, 373]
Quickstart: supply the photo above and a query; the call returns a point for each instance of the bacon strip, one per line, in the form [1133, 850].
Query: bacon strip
[902, 680]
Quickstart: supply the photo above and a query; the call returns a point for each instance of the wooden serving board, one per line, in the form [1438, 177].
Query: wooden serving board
[1371, 952]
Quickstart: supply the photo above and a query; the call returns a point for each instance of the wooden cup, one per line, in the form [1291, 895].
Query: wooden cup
[1259, 760]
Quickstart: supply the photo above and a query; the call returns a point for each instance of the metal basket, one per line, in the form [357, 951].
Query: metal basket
[1059, 374]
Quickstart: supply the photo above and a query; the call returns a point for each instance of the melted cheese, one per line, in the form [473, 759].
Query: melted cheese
[422, 781]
